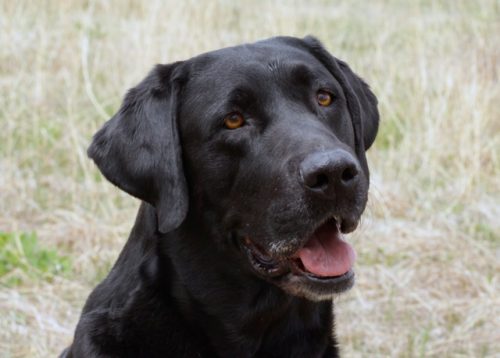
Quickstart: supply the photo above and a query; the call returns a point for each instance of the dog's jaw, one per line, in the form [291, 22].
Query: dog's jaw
[319, 267]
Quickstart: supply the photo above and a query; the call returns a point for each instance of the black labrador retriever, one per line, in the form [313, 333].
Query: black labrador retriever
[250, 162]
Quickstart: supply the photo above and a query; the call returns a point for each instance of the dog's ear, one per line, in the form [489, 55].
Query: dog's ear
[360, 99]
[368, 103]
[139, 150]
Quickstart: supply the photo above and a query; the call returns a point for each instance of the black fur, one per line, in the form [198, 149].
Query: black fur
[183, 285]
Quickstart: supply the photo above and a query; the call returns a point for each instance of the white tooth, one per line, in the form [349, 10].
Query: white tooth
[337, 221]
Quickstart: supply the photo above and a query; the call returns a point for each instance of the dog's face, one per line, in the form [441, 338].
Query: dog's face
[263, 145]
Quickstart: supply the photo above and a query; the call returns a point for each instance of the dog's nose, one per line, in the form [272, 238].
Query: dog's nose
[330, 174]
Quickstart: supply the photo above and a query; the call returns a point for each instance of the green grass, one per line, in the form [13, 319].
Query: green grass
[22, 256]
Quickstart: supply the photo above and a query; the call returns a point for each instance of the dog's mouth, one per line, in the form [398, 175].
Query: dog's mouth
[324, 257]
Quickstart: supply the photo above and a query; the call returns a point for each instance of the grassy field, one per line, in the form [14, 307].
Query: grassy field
[429, 245]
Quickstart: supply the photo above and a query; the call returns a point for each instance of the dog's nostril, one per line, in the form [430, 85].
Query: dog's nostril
[321, 181]
[349, 174]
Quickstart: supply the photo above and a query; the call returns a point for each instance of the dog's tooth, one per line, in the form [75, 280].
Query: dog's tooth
[338, 221]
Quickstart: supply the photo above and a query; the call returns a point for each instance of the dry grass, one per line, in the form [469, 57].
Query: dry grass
[429, 246]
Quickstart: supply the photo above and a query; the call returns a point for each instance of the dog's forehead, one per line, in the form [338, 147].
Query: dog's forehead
[250, 63]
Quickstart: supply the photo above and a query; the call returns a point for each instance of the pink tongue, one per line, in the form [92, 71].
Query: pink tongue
[326, 254]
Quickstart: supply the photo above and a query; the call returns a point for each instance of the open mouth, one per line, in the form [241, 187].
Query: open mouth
[324, 256]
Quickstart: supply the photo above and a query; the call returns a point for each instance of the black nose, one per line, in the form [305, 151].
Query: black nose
[330, 174]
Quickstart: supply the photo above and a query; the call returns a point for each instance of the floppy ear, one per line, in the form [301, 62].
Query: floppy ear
[360, 99]
[368, 103]
[139, 150]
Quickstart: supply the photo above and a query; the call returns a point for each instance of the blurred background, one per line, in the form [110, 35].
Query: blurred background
[429, 246]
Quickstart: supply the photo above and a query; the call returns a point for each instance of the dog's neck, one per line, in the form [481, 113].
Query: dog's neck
[237, 310]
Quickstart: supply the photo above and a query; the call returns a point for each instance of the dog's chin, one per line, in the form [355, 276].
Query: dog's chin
[319, 268]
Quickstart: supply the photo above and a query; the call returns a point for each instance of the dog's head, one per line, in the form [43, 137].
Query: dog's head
[264, 145]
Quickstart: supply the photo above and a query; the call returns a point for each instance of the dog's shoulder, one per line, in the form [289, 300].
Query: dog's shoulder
[132, 312]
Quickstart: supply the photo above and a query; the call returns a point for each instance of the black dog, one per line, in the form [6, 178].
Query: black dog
[250, 162]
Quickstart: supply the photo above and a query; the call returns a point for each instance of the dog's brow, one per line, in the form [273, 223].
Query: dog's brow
[274, 65]
[241, 96]
[302, 73]
[298, 71]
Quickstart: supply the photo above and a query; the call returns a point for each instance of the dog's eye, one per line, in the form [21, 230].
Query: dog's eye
[324, 98]
[234, 120]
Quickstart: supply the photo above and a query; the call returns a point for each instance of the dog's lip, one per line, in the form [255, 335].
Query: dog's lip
[326, 281]
[275, 266]
[262, 262]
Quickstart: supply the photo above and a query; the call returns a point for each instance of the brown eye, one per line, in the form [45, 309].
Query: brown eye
[324, 98]
[234, 120]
